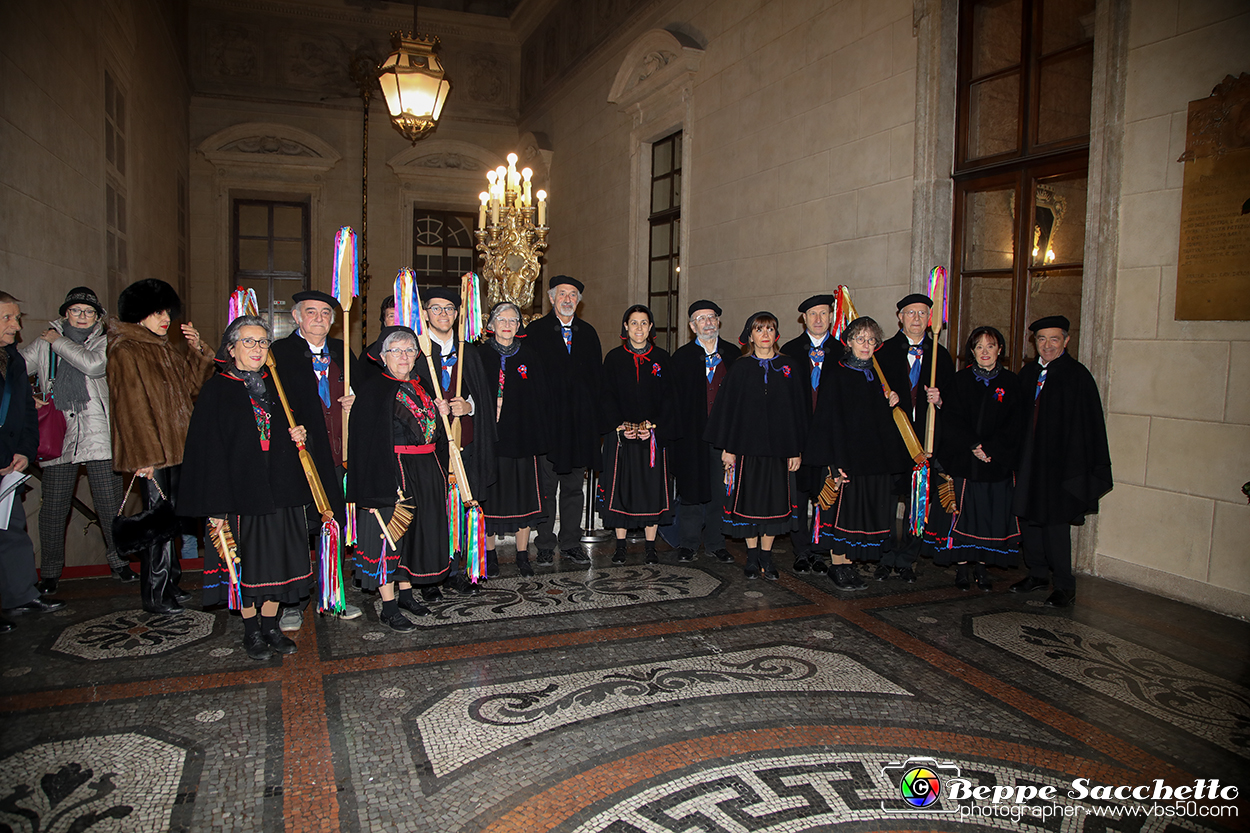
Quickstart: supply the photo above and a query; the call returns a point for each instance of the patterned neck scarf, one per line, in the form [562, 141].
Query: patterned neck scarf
[711, 361]
[321, 364]
[418, 403]
[864, 366]
[984, 376]
[913, 374]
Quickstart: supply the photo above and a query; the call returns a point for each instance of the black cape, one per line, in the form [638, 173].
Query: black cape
[372, 469]
[524, 426]
[637, 390]
[19, 430]
[761, 412]
[574, 386]
[1065, 464]
[991, 416]
[295, 368]
[481, 463]
[224, 470]
[690, 452]
[799, 350]
[893, 360]
[857, 432]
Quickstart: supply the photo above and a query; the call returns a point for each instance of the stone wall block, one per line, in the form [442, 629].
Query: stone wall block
[1210, 459]
[1158, 529]
[1230, 556]
[1169, 378]
[1128, 436]
[1137, 303]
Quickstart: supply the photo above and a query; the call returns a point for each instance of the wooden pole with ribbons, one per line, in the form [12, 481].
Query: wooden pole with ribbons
[345, 287]
[470, 329]
[937, 317]
[320, 498]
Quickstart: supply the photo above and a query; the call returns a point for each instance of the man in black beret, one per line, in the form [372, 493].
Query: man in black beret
[907, 359]
[477, 424]
[573, 360]
[310, 365]
[1065, 463]
[698, 370]
[815, 348]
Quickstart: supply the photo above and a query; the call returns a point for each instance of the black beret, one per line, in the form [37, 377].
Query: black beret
[565, 279]
[698, 305]
[745, 338]
[375, 350]
[915, 298]
[815, 301]
[444, 292]
[83, 295]
[315, 295]
[1057, 321]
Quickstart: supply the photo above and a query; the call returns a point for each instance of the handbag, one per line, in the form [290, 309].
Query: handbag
[52, 425]
[142, 530]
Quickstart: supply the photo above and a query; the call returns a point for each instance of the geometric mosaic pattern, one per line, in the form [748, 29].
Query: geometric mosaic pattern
[472, 723]
[515, 597]
[125, 783]
[133, 633]
[1178, 694]
[817, 791]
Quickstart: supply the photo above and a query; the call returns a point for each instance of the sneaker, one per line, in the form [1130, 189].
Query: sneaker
[546, 557]
[397, 622]
[350, 612]
[576, 554]
[881, 573]
[723, 556]
[291, 619]
[685, 555]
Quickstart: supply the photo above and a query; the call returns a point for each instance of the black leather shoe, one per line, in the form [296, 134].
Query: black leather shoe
[846, 577]
[577, 555]
[44, 604]
[982, 578]
[47, 587]
[855, 576]
[462, 585]
[750, 574]
[908, 575]
[546, 557]
[180, 595]
[685, 555]
[256, 646]
[125, 575]
[802, 566]
[414, 607]
[6, 625]
[771, 574]
[165, 608]
[819, 566]
[274, 639]
[962, 580]
[723, 556]
[652, 558]
[881, 573]
[431, 593]
[618, 557]
[1060, 599]
[1028, 584]
[398, 622]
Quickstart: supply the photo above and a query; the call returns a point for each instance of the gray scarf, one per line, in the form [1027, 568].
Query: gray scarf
[70, 386]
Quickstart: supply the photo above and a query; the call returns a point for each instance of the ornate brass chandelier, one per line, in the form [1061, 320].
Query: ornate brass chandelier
[511, 234]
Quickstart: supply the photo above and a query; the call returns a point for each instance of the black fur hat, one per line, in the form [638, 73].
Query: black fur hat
[142, 298]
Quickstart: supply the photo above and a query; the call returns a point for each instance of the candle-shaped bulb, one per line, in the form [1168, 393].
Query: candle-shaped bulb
[481, 211]
[526, 173]
[512, 158]
[542, 208]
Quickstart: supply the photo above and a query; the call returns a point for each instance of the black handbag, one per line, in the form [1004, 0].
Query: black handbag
[138, 532]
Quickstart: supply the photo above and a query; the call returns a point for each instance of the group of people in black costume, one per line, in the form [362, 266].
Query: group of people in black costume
[714, 440]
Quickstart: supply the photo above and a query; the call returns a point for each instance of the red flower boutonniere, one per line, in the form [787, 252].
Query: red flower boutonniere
[785, 370]
[998, 394]
[523, 370]
[655, 370]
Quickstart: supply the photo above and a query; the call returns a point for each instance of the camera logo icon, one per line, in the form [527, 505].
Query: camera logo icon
[920, 784]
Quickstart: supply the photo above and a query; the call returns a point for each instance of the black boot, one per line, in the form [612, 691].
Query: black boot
[154, 580]
[752, 568]
[255, 645]
[619, 556]
[523, 563]
[766, 562]
[492, 564]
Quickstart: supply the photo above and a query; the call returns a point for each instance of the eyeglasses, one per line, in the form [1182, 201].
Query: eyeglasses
[441, 310]
[870, 341]
[508, 322]
[402, 351]
[706, 319]
[249, 343]
[915, 313]
[81, 312]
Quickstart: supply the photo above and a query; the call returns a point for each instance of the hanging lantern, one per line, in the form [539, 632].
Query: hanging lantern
[413, 82]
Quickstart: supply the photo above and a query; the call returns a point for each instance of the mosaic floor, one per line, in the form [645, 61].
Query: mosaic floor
[653, 698]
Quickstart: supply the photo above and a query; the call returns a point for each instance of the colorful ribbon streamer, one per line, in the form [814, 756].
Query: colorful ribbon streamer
[333, 598]
[346, 282]
[242, 302]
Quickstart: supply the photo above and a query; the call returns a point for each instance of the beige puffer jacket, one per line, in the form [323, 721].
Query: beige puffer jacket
[86, 431]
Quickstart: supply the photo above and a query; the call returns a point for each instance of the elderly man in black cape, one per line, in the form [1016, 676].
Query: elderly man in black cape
[473, 408]
[906, 359]
[573, 358]
[310, 365]
[816, 349]
[1065, 464]
[698, 371]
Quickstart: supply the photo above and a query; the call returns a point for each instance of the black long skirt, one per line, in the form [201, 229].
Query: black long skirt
[422, 555]
[514, 500]
[763, 499]
[859, 522]
[634, 489]
[984, 531]
[274, 560]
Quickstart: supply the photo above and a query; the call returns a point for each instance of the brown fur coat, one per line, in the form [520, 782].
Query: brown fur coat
[152, 383]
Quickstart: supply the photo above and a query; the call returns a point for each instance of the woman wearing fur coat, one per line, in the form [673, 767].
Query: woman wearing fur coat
[151, 384]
